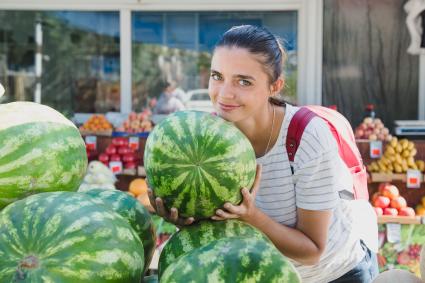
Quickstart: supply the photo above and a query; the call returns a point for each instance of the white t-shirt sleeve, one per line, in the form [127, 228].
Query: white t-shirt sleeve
[319, 171]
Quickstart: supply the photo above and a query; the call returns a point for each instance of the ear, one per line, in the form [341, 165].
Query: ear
[277, 86]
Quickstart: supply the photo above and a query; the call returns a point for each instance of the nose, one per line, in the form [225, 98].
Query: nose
[226, 91]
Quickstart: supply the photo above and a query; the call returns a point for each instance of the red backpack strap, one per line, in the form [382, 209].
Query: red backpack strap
[296, 128]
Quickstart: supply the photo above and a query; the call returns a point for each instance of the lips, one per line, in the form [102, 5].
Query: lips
[228, 107]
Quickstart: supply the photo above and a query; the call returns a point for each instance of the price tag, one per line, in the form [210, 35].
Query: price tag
[393, 232]
[133, 143]
[375, 149]
[413, 178]
[116, 167]
[91, 142]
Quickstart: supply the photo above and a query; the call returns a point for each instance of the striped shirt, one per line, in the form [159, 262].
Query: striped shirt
[319, 175]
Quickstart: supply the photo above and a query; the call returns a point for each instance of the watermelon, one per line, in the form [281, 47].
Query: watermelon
[196, 162]
[234, 259]
[41, 151]
[201, 234]
[67, 237]
[134, 212]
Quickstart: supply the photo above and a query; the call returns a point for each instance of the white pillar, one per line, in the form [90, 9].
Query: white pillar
[125, 60]
[421, 98]
[38, 60]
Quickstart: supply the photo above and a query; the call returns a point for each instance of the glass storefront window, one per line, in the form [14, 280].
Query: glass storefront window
[176, 47]
[80, 59]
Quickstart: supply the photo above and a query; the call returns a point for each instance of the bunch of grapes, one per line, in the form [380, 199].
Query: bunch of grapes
[414, 251]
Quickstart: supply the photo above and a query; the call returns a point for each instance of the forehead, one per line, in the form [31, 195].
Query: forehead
[235, 60]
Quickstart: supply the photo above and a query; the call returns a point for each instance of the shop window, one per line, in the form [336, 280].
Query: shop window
[176, 47]
[80, 59]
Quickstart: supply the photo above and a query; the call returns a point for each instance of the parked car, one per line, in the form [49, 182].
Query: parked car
[198, 99]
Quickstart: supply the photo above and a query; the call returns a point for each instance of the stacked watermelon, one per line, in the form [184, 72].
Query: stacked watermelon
[196, 162]
[67, 237]
[223, 251]
[200, 234]
[41, 151]
[134, 212]
[46, 236]
[234, 259]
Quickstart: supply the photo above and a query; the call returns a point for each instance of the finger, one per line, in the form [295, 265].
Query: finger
[247, 197]
[217, 218]
[160, 207]
[189, 221]
[233, 209]
[226, 215]
[257, 180]
[174, 214]
[151, 198]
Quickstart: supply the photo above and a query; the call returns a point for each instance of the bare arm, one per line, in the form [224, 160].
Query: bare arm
[305, 243]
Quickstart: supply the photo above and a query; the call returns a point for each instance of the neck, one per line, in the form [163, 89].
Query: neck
[258, 129]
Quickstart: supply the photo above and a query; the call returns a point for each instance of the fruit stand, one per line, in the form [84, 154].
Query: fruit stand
[400, 237]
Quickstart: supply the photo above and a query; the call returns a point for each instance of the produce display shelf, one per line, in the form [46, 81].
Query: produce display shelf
[387, 177]
[401, 219]
[125, 134]
[96, 133]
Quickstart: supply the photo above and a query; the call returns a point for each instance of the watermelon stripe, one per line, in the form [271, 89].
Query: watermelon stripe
[91, 244]
[186, 155]
[235, 259]
[136, 215]
[39, 157]
[202, 233]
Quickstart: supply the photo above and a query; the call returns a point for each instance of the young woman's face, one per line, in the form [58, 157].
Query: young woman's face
[238, 87]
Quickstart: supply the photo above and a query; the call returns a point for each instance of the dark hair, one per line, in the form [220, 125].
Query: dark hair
[260, 41]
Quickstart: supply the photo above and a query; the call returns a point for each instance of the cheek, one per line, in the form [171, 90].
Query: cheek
[212, 91]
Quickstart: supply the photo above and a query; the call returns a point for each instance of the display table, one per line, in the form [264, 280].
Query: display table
[400, 246]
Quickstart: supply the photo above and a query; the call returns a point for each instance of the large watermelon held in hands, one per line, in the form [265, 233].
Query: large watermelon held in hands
[201, 234]
[134, 212]
[234, 259]
[196, 162]
[40, 151]
[67, 237]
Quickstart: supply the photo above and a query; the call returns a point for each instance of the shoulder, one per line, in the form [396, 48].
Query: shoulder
[316, 135]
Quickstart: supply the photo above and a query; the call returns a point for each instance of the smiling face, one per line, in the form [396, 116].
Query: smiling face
[239, 86]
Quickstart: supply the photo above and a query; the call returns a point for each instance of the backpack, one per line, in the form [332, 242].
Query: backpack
[344, 136]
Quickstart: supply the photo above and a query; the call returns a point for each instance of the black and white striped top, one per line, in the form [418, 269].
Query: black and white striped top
[319, 175]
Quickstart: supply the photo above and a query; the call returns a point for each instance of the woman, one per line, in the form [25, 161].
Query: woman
[301, 213]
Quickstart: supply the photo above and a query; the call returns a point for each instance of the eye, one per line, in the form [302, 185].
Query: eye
[244, 82]
[216, 76]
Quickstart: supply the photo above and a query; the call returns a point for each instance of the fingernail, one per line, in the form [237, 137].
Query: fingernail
[227, 206]
[219, 211]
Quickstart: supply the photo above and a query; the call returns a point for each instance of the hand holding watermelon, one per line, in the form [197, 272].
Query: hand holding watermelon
[247, 208]
[170, 216]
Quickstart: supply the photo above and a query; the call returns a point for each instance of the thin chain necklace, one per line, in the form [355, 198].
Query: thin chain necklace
[271, 131]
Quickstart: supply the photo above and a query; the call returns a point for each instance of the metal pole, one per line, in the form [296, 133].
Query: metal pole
[38, 59]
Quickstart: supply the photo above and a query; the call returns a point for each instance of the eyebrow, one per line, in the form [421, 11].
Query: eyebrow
[240, 76]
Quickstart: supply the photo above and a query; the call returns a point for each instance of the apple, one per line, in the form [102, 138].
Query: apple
[379, 211]
[118, 141]
[130, 165]
[382, 202]
[129, 157]
[390, 191]
[398, 203]
[110, 150]
[122, 150]
[375, 196]
[115, 157]
[406, 211]
[390, 211]
[103, 157]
